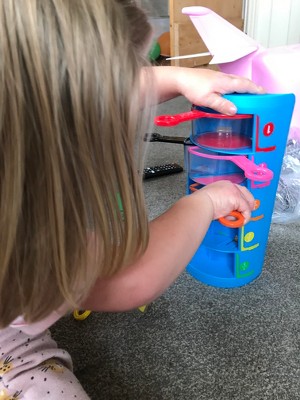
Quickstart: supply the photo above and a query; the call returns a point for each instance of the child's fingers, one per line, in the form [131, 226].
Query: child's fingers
[220, 104]
[247, 202]
[248, 196]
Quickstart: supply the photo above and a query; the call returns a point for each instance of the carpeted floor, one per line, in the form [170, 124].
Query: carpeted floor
[196, 342]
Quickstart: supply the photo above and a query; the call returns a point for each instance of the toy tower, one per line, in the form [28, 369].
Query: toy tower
[247, 149]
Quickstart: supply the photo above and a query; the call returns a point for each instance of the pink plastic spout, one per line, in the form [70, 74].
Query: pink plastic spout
[229, 46]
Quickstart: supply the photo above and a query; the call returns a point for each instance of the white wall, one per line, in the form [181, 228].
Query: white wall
[273, 22]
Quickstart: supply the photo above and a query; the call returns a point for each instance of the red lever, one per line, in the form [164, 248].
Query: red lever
[172, 120]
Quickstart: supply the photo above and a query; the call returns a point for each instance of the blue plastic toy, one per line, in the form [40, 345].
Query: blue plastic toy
[248, 149]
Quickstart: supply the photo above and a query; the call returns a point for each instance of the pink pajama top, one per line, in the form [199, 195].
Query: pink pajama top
[40, 326]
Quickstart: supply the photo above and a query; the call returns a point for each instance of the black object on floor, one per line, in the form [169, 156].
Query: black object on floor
[156, 137]
[160, 170]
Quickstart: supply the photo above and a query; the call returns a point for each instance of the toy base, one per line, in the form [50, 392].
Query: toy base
[220, 282]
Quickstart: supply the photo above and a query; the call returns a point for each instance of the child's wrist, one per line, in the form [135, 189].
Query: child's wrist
[180, 80]
[201, 205]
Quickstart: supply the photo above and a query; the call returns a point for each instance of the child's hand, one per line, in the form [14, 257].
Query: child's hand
[225, 197]
[205, 87]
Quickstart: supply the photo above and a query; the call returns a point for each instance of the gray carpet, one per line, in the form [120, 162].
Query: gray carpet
[196, 342]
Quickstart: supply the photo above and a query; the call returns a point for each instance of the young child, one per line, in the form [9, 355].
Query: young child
[75, 93]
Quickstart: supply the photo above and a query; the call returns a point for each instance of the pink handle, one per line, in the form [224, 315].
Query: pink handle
[172, 120]
[251, 170]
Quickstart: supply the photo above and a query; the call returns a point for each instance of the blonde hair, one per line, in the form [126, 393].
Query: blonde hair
[69, 122]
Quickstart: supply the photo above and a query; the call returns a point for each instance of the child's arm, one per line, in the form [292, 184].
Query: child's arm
[174, 238]
[201, 86]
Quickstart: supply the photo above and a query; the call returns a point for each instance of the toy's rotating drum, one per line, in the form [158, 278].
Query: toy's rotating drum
[204, 170]
[206, 166]
[219, 132]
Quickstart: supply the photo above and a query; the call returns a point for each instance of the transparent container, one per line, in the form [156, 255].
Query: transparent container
[220, 132]
[206, 170]
[205, 166]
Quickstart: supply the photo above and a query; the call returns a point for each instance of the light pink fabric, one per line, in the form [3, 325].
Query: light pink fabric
[34, 368]
[40, 326]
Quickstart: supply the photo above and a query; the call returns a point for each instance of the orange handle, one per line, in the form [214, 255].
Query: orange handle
[236, 222]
